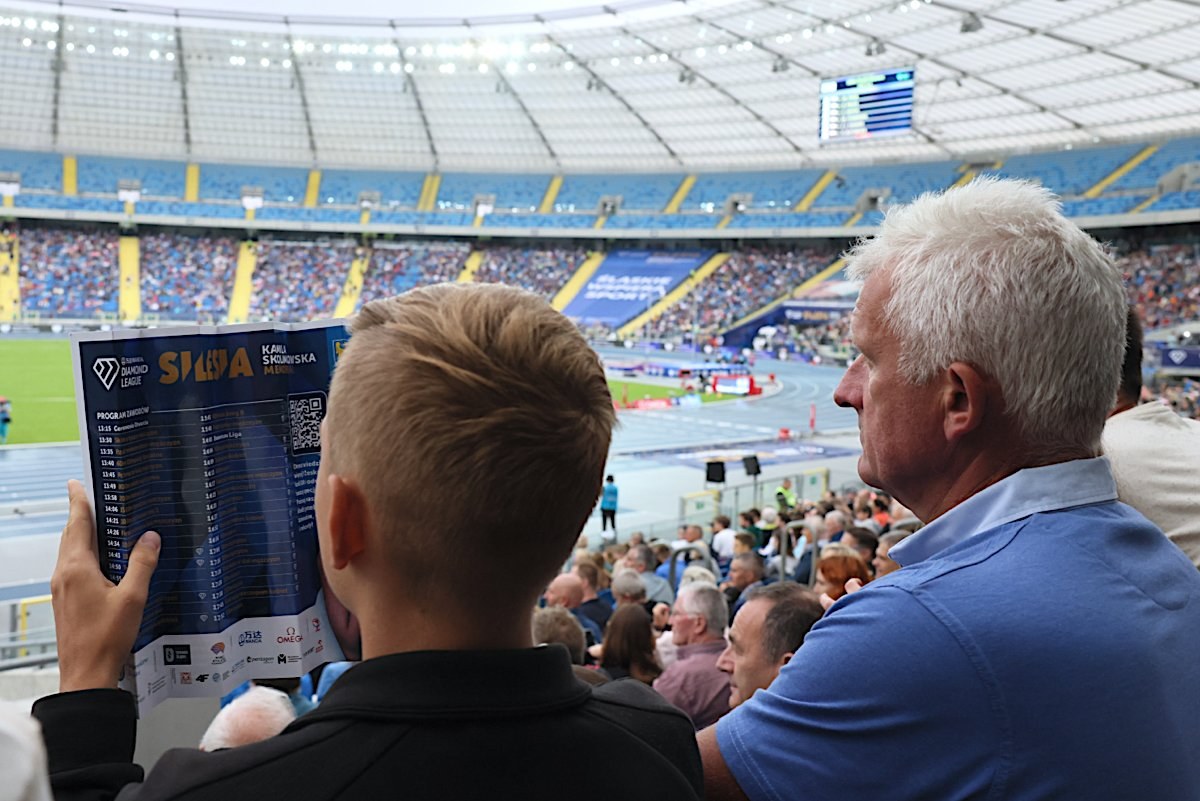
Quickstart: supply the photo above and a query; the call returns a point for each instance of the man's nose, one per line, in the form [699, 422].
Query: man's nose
[849, 389]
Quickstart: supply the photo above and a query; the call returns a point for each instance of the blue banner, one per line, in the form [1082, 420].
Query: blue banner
[629, 282]
[1173, 357]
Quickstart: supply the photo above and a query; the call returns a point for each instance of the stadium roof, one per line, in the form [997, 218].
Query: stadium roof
[636, 86]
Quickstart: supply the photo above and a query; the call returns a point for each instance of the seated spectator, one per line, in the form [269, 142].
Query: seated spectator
[566, 590]
[693, 574]
[449, 665]
[882, 563]
[637, 538]
[762, 639]
[862, 541]
[591, 606]
[745, 573]
[255, 715]
[692, 682]
[291, 688]
[722, 538]
[744, 543]
[641, 560]
[554, 625]
[628, 650]
[836, 568]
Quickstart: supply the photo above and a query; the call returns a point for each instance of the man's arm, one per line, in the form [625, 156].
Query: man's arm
[719, 784]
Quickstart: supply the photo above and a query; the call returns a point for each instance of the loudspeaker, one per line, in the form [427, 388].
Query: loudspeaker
[714, 472]
[751, 465]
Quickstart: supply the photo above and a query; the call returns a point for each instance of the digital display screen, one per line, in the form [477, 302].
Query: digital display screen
[867, 106]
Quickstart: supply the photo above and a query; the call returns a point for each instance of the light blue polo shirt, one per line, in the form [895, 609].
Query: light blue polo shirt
[1041, 642]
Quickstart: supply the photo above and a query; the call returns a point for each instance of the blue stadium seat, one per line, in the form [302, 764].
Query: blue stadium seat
[638, 192]
[1177, 200]
[1068, 172]
[790, 220]
[1086, 207]
[1165, 159]
[279, 184]
[540, 220]
[524, 192]
[399, 217]
[770, 190]
[224, 211]
[906, 182]
[344, 186]
[38, 170]
[159, 178]
[663, 221]
[69, 203]
[325, 214]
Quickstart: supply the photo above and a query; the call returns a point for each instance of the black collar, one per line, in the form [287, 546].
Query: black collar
[454, 685]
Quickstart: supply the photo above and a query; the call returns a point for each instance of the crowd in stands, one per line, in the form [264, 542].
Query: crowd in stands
[1163, 282]
[187, 277]
[400, 266]
[68, 272]
[540, 271]
[294, 282]
[749, 280]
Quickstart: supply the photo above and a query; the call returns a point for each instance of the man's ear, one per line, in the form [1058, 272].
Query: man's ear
[967, 394]
[348, 521]
[786, 658]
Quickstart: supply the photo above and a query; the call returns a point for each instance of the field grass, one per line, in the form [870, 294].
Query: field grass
[35, 374]
[637, 391]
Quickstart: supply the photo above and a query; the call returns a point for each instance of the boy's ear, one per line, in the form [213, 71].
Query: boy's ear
[348, 521]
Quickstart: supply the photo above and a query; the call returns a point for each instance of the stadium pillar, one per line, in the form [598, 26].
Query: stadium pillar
[470, 267]
[352, 289]
[191, 183]
[675, 295]
[129, 262]
[243, 283]
[680, 195]
[312, 190]
[577, 281]
[70, 176]
[10, 282]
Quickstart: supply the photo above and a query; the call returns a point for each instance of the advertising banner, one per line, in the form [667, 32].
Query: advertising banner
[630, 281]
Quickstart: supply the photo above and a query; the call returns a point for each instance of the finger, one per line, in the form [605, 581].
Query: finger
[853, 585]
[79, 535]
[135, 584]
[826, 601]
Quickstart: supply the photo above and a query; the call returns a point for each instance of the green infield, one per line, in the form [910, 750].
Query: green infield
[35, 374]
[623, 390]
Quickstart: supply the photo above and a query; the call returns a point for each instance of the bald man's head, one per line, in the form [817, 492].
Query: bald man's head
[565, 590]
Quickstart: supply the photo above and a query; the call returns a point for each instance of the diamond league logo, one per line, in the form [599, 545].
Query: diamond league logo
[106, 369]
[1177, 356]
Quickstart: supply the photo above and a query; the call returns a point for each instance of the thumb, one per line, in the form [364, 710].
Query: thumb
[142, 561]
[853, 585]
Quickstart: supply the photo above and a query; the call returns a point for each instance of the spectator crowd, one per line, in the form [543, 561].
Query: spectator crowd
[187, 277]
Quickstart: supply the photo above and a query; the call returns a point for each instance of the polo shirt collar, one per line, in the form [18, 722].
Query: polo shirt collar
[455, 685]
[1026, 492]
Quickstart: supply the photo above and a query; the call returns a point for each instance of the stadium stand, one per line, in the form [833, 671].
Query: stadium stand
[70, 273]
[163, 179]
[399, 266]
[297, 281]
[637, 192]
[60, 202]
[662, 221]
[790, 220]
[768, 189]
[232, 211]
[187, 277]
[905, 181]
[37, 170]
[1068, 172]
[516, 192]
[543, 271]
[540, 220]
[328, 214]
[343, 187]
[1166, 158]
[279, 184]
[1163, 282]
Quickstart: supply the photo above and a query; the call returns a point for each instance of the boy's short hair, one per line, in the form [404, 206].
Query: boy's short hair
[473, 418]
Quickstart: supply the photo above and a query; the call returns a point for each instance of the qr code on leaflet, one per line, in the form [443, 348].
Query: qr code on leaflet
[305, 413]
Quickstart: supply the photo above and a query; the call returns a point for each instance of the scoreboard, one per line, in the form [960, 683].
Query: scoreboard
[867, 106]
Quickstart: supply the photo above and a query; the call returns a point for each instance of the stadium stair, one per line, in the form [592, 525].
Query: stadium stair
[312, 190]
[365, 217]
[1121, 171]
[675, 295]
[10, 282]
[600, 221]
[470, 267]
[1145, 204]
[815, 191]
[429, 192]
[70, 176]
[552, 190]
[352, 289]
[249, 215]
[680, 195]
[129, 263]
[577, 281]
[853, 221]
[831, 270]
[724, 221]
[9, 202]
[478, 221]
[243, 283]
[191, 183]
[968, 175]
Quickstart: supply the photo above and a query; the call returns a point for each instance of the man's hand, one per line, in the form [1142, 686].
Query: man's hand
[853, 585]
[96, 621]
[662, 615]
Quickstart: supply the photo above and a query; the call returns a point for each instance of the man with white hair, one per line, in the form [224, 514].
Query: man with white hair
[991, 332]
[253, 716]
[693, 682]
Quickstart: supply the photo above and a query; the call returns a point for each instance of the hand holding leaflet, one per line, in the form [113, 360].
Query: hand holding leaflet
[96, 621]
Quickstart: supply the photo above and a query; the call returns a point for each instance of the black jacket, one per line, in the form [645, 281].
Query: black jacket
[428, 725]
